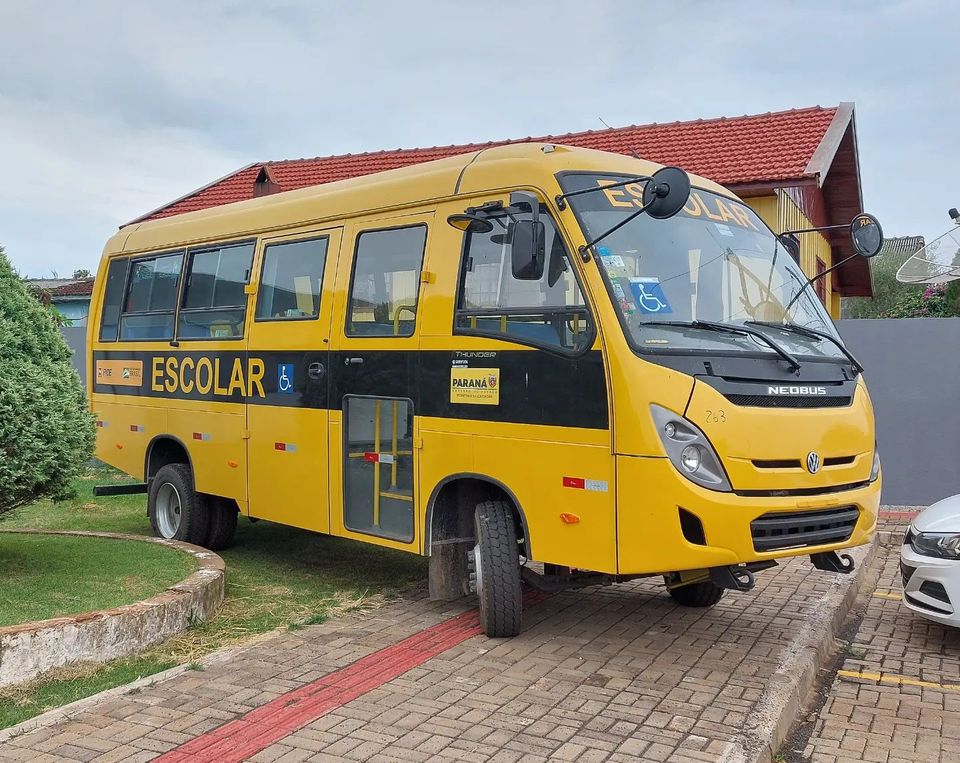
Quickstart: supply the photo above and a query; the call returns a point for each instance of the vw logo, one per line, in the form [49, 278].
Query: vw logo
[813, 462]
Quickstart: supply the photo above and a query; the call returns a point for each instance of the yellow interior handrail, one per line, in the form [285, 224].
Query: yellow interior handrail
[396, 316]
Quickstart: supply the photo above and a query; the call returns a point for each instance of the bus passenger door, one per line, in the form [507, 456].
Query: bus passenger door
[288, 349]
[375, 383]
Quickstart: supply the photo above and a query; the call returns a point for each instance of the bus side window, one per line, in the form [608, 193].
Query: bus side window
[151, 298]
[113, 299]
[549, 312]
[214, 302]
[386, 282]
[291, 280]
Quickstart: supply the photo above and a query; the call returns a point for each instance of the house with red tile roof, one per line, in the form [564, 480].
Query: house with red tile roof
[70, 296]
[797, 169]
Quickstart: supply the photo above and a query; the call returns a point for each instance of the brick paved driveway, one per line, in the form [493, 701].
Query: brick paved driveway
[604, 674]
[901, 713]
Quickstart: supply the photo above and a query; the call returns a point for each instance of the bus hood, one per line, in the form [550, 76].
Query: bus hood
[784, 437]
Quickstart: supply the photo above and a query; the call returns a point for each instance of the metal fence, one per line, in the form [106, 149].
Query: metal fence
[913, 372]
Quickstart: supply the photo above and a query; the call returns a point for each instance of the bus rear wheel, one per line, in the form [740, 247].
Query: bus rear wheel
[703, 594]
[496, 569]
[223, 523]
[176, 510]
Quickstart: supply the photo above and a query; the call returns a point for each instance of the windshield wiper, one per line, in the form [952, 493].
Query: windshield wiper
[813, 334]
[728, 329]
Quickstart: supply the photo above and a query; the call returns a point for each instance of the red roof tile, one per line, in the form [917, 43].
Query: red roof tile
[756, 148]
[81, 288]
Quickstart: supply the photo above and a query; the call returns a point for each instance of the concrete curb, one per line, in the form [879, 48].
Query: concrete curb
[29, 650]
[789, 686]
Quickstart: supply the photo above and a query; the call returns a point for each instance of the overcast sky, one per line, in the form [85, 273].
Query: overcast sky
[110, 109]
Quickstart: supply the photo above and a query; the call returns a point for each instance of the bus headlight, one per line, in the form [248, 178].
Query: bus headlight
[689, 450]
[875, 469]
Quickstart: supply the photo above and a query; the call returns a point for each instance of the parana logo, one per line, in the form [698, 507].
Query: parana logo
[796, 390]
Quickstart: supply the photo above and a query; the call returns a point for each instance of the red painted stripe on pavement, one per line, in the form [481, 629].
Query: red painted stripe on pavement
[238, 740]
[898, 514]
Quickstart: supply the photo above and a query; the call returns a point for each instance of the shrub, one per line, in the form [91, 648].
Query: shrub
[46, 430]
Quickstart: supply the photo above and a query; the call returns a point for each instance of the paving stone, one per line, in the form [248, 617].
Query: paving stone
[605, 674]
[886, 723]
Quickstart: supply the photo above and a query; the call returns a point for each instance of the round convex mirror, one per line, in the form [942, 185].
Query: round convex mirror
[866, 235]
[666, 192]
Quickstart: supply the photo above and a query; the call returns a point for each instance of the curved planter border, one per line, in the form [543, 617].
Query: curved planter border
[29, 650]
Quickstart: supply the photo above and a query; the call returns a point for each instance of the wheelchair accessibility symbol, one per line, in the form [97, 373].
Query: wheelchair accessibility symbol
[285, 378]
[648, 295]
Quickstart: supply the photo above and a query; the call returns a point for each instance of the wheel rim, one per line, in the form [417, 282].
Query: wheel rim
[168, 510]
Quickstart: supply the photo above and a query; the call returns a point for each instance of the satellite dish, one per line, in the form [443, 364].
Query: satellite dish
[937, 262]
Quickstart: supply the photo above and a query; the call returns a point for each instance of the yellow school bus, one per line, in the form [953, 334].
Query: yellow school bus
[534, 364]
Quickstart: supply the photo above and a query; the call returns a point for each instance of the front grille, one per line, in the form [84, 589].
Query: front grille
[839, 460]
[778, 530]
[794, 463]
[787, 401]
[777, 463]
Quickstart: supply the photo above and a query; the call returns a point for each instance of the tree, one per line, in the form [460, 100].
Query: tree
[46, 430]
[81, 273]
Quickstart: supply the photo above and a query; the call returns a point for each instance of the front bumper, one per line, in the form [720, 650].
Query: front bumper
[652, 539]
[931, 586]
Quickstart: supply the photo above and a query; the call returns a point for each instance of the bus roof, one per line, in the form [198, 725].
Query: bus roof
[523, 164]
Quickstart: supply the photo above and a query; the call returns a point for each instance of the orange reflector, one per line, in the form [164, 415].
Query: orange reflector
[232, 464]
[569, 519]
[119, 446]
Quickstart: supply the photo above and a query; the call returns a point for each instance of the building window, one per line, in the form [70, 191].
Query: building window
[151, 298]
[214, 300]
[292, 279]
[113, 299]
[821, 282]
[548, 312]
[386, 282]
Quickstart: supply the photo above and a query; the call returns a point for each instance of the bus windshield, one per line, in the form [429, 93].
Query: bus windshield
[714, 262]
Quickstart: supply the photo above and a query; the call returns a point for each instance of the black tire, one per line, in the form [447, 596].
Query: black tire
[223, 524]
[194, 514]
[702, 594]
[497, 569]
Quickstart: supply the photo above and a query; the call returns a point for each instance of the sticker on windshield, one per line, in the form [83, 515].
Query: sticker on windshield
[612, 261]
[649, 296]
[724, 229]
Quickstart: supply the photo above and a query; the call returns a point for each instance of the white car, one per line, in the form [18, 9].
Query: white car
[930, 562]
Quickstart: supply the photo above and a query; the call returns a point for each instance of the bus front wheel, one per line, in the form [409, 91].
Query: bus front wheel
[703, 594]
[176, 510]
[496, 569]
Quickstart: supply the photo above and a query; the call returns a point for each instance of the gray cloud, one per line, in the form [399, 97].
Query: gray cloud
[108, 109]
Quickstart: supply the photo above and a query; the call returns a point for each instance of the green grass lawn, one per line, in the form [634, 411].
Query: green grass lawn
[276, 577]
[54, 575]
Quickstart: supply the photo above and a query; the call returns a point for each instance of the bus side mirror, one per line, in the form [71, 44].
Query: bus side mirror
[527, 250]
[866, 235]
